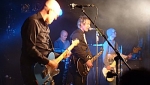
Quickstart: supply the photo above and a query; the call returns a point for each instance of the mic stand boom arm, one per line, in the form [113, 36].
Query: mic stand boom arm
[116, 51]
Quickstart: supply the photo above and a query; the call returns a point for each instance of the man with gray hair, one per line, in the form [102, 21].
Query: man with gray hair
[109, 54]
[81, 51]
[36, 42]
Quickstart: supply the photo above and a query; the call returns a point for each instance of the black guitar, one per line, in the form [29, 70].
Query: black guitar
[45, 73]
[82, 68]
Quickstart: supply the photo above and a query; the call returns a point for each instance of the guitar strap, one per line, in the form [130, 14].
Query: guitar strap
[74, 60]
[51, 44]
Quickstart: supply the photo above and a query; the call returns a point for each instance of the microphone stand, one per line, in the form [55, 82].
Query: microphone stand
[97, 39]
[116, 51]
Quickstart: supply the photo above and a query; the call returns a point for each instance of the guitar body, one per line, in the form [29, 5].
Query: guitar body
[105, 71]
[82, 68]
[113, 66]
[42, 73]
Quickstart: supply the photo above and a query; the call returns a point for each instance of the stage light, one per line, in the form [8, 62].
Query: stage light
[61, 12]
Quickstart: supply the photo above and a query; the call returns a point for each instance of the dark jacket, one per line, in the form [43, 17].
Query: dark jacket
[81, 50]
[36, 42]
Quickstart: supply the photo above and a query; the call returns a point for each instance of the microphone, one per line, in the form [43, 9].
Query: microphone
[73, 5]
[92, 28]
[102, 31]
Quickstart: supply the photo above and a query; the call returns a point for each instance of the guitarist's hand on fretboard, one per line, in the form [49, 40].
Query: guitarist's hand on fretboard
[53, 64]
[126, 57]
[67, 54]
[129, 56]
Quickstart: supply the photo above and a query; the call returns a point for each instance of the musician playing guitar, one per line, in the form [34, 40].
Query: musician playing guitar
[109, 53]
[80, 51]
[36, 41]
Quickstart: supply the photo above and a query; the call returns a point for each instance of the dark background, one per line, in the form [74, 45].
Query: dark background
[130, 18]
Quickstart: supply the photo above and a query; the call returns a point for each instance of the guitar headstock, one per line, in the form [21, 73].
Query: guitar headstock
[75, 42]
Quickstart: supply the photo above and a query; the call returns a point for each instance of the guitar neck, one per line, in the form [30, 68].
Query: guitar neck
[63, 55]
[96, 56]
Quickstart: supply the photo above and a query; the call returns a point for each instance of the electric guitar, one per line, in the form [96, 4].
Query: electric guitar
[113, 66]
[82, 68]
[45, 73]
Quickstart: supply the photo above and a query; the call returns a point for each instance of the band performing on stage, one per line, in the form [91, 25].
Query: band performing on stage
[75, 42]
